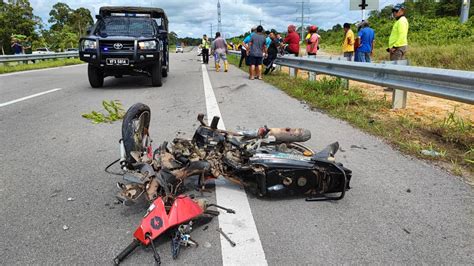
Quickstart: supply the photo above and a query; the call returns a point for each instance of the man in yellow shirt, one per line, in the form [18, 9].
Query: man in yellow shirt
[398, 41]
[348, 43]
[205, 45]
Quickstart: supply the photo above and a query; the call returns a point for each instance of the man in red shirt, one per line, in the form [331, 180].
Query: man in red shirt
[293, 41]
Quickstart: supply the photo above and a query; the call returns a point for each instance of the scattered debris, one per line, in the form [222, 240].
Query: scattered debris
[71, 199]
[232, 243]
[358, 147]
[65, 227]
[406, 231]
[408, 190]
[205, 228]
[431, 153]
[115, 112]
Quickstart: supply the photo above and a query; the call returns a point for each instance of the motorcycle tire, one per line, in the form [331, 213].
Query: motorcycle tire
[135, 127]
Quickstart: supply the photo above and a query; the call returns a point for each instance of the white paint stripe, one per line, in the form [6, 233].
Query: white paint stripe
[37, 70]
[241, 226]
[28, 97]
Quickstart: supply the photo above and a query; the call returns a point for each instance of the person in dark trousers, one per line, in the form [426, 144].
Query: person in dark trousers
[272, 52]
[205, 45]
[257, 48]
[243, 54]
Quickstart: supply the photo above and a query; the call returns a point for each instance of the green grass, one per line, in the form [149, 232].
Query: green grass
[452, 137]
[39, 65]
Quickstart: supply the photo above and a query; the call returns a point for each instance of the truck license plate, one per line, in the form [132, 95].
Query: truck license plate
[117, 61]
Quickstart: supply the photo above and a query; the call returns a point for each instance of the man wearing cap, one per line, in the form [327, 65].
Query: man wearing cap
[398, 41]
[366, 41]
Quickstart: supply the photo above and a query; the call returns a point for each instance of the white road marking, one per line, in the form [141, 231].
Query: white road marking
[37, 70]
[28, 97]
[241, 226]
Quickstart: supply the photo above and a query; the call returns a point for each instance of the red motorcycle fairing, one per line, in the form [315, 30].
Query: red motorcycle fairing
[157, 220]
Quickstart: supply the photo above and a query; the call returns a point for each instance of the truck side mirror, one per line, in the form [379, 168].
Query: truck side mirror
[98, 16]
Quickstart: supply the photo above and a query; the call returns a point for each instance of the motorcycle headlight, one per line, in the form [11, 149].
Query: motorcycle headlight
[147, 45]
[89, 44]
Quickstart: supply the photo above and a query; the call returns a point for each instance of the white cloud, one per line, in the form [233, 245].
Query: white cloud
[194, 18]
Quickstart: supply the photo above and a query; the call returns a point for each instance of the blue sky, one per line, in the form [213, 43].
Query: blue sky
[192, 18]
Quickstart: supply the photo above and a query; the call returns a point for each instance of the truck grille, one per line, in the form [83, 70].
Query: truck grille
[116, 46]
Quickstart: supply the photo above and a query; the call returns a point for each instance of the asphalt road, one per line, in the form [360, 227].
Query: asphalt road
[399, 210]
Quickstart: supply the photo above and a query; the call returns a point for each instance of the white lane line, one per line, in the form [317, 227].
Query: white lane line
[28, 97]
[240, 226]
[37, 70]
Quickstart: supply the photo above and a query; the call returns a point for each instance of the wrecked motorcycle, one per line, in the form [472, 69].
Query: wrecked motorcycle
[267, 161]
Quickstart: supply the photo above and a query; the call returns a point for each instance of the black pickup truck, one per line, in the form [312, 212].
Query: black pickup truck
[127, 41]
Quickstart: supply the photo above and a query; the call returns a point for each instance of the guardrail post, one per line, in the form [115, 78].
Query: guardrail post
[399, 97]
[312, 76]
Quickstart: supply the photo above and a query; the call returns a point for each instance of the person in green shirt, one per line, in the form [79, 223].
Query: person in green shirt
[398, 41]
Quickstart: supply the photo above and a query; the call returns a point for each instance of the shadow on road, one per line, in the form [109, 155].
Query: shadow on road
[128, 82]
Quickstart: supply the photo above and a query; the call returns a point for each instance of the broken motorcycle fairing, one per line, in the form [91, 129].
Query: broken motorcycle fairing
[268, 161]
[169, 214]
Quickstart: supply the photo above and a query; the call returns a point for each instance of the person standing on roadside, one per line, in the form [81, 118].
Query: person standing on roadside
[205, 45]
[312, 41]
[245, 43]
[366, 40]
[398, 41]
[219, 48]
[257, 49]
[348, 42]
[272, 52]
[16, 47]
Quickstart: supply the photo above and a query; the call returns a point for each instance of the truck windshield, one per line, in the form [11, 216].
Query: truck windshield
[126, 26]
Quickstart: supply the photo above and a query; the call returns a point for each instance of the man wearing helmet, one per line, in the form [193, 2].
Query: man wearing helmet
[312, 41]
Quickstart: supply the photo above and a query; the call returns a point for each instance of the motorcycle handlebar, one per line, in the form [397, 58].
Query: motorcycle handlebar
[129, 249]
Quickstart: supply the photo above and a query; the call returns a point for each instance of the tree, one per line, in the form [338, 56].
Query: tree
[16, 18]
[80, 20]
[172, 38]
[60, 15]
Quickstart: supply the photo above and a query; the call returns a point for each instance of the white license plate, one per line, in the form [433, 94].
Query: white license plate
[117, 61]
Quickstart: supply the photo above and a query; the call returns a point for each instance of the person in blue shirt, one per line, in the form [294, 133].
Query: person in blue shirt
[245, 47]
[366, 42]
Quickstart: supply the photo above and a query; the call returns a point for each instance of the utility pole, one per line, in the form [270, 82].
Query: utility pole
[211, 32]
[219, 26]
[363, 5]
[302, 18]
[465, 10]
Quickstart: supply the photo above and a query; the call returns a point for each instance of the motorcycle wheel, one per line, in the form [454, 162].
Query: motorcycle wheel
[135, 130]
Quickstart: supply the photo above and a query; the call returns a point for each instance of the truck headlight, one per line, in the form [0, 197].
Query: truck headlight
[89, 44]
[147, 45]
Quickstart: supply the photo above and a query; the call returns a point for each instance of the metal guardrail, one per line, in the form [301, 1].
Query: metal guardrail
[29, 57]
[444, 83]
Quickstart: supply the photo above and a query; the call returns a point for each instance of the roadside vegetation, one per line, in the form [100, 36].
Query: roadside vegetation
[114, 109]
[39, 65]
[449, 142]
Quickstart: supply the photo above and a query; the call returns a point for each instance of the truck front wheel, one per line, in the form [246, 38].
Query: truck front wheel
[156, 75]
[96, 76]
